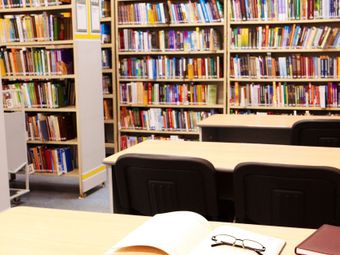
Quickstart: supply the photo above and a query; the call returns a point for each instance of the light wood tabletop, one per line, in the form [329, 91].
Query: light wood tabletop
[261, 121]
[225, 156]
[28, 230]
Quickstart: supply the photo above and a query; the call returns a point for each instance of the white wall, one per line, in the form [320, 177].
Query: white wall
[4, 189]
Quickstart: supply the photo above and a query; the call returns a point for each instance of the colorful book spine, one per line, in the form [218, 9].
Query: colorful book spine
[164, 67]
[293, 66]
[158, 119]
[283, 9]
[283, 94]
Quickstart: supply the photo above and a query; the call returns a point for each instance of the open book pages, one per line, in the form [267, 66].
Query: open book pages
[187, 233]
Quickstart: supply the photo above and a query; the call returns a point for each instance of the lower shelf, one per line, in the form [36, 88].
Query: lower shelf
[74, 173]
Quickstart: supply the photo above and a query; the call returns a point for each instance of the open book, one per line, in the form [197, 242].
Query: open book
[188, 233]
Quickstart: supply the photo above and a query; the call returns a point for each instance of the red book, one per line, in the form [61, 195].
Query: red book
[149, 93]
[323, 241]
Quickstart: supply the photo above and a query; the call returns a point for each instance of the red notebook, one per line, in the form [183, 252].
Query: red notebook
[324, 241]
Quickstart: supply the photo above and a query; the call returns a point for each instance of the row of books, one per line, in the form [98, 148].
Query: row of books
[56, 127]
[294, 36]
[11, 97]
[108, 109]
[293, 66]
[6, 4]
[36, 61]
[177, 94]
[105, 32]
[162, 13]
[201, 12]
[158, 119]
[284, 9]
[127, 141]
[42, 94]
[105, 8]
[282, 95]
[170, 67]
[107, 83]
[106, 58]
[169, 40]
[57, 160]
[35, 27]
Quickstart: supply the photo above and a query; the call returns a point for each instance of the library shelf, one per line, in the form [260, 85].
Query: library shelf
[196, 55]
[57, 109]
[305, 37]
[107, 21]
[160, 132]
[62, 7]
[190, 106]
[68, 64]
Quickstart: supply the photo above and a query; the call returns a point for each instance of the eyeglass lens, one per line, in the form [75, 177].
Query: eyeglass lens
[246, 243]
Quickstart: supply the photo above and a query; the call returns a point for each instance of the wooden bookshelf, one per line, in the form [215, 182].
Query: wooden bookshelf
[204, 45]
[108, 24]
[303, 38]
[48, 67]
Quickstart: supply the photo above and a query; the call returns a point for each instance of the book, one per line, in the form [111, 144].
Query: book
[325, 240]
[188, 233]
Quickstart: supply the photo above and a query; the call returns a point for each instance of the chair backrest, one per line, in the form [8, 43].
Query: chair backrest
[150, 184]
[316, 133]
[287, 195]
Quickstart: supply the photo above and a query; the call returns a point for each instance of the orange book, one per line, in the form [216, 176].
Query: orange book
[2, 67]
[266, 36]
[190, 71]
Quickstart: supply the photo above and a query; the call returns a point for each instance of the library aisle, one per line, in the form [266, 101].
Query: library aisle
[62, 193]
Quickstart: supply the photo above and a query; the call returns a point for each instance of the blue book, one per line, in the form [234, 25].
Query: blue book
[67, 159]
[204, 10]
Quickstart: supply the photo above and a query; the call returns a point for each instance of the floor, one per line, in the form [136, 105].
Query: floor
[62, 193]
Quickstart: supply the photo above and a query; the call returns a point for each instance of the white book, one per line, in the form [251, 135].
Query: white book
[188, 233]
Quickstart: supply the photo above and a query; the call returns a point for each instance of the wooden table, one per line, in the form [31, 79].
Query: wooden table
[250, 128]
[225, 156]
[28, 230]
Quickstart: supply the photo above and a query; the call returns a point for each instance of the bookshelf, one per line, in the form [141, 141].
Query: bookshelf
[284, 57]
[170, 59]
[49, 61]
[109, 76]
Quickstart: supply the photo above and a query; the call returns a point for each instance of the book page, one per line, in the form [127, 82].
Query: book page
[273, 245]
[176, 233]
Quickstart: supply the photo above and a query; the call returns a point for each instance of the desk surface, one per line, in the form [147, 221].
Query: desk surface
[252, 120]
[26, 230]
[225, 156]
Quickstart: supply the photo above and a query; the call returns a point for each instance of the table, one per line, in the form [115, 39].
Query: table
[250, 128]
[28, 230]
[225, 156]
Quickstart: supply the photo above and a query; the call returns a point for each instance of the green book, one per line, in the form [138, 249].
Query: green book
[212, 94]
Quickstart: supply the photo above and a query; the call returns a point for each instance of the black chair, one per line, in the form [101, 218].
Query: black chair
[286, 195]
[316, 133]
[149, 184]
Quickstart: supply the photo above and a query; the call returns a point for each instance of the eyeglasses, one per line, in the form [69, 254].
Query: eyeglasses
[224, 239]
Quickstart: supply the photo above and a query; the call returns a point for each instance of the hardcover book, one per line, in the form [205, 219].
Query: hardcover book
[324, 241]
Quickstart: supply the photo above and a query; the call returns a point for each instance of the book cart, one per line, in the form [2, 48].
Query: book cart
[50, 50]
